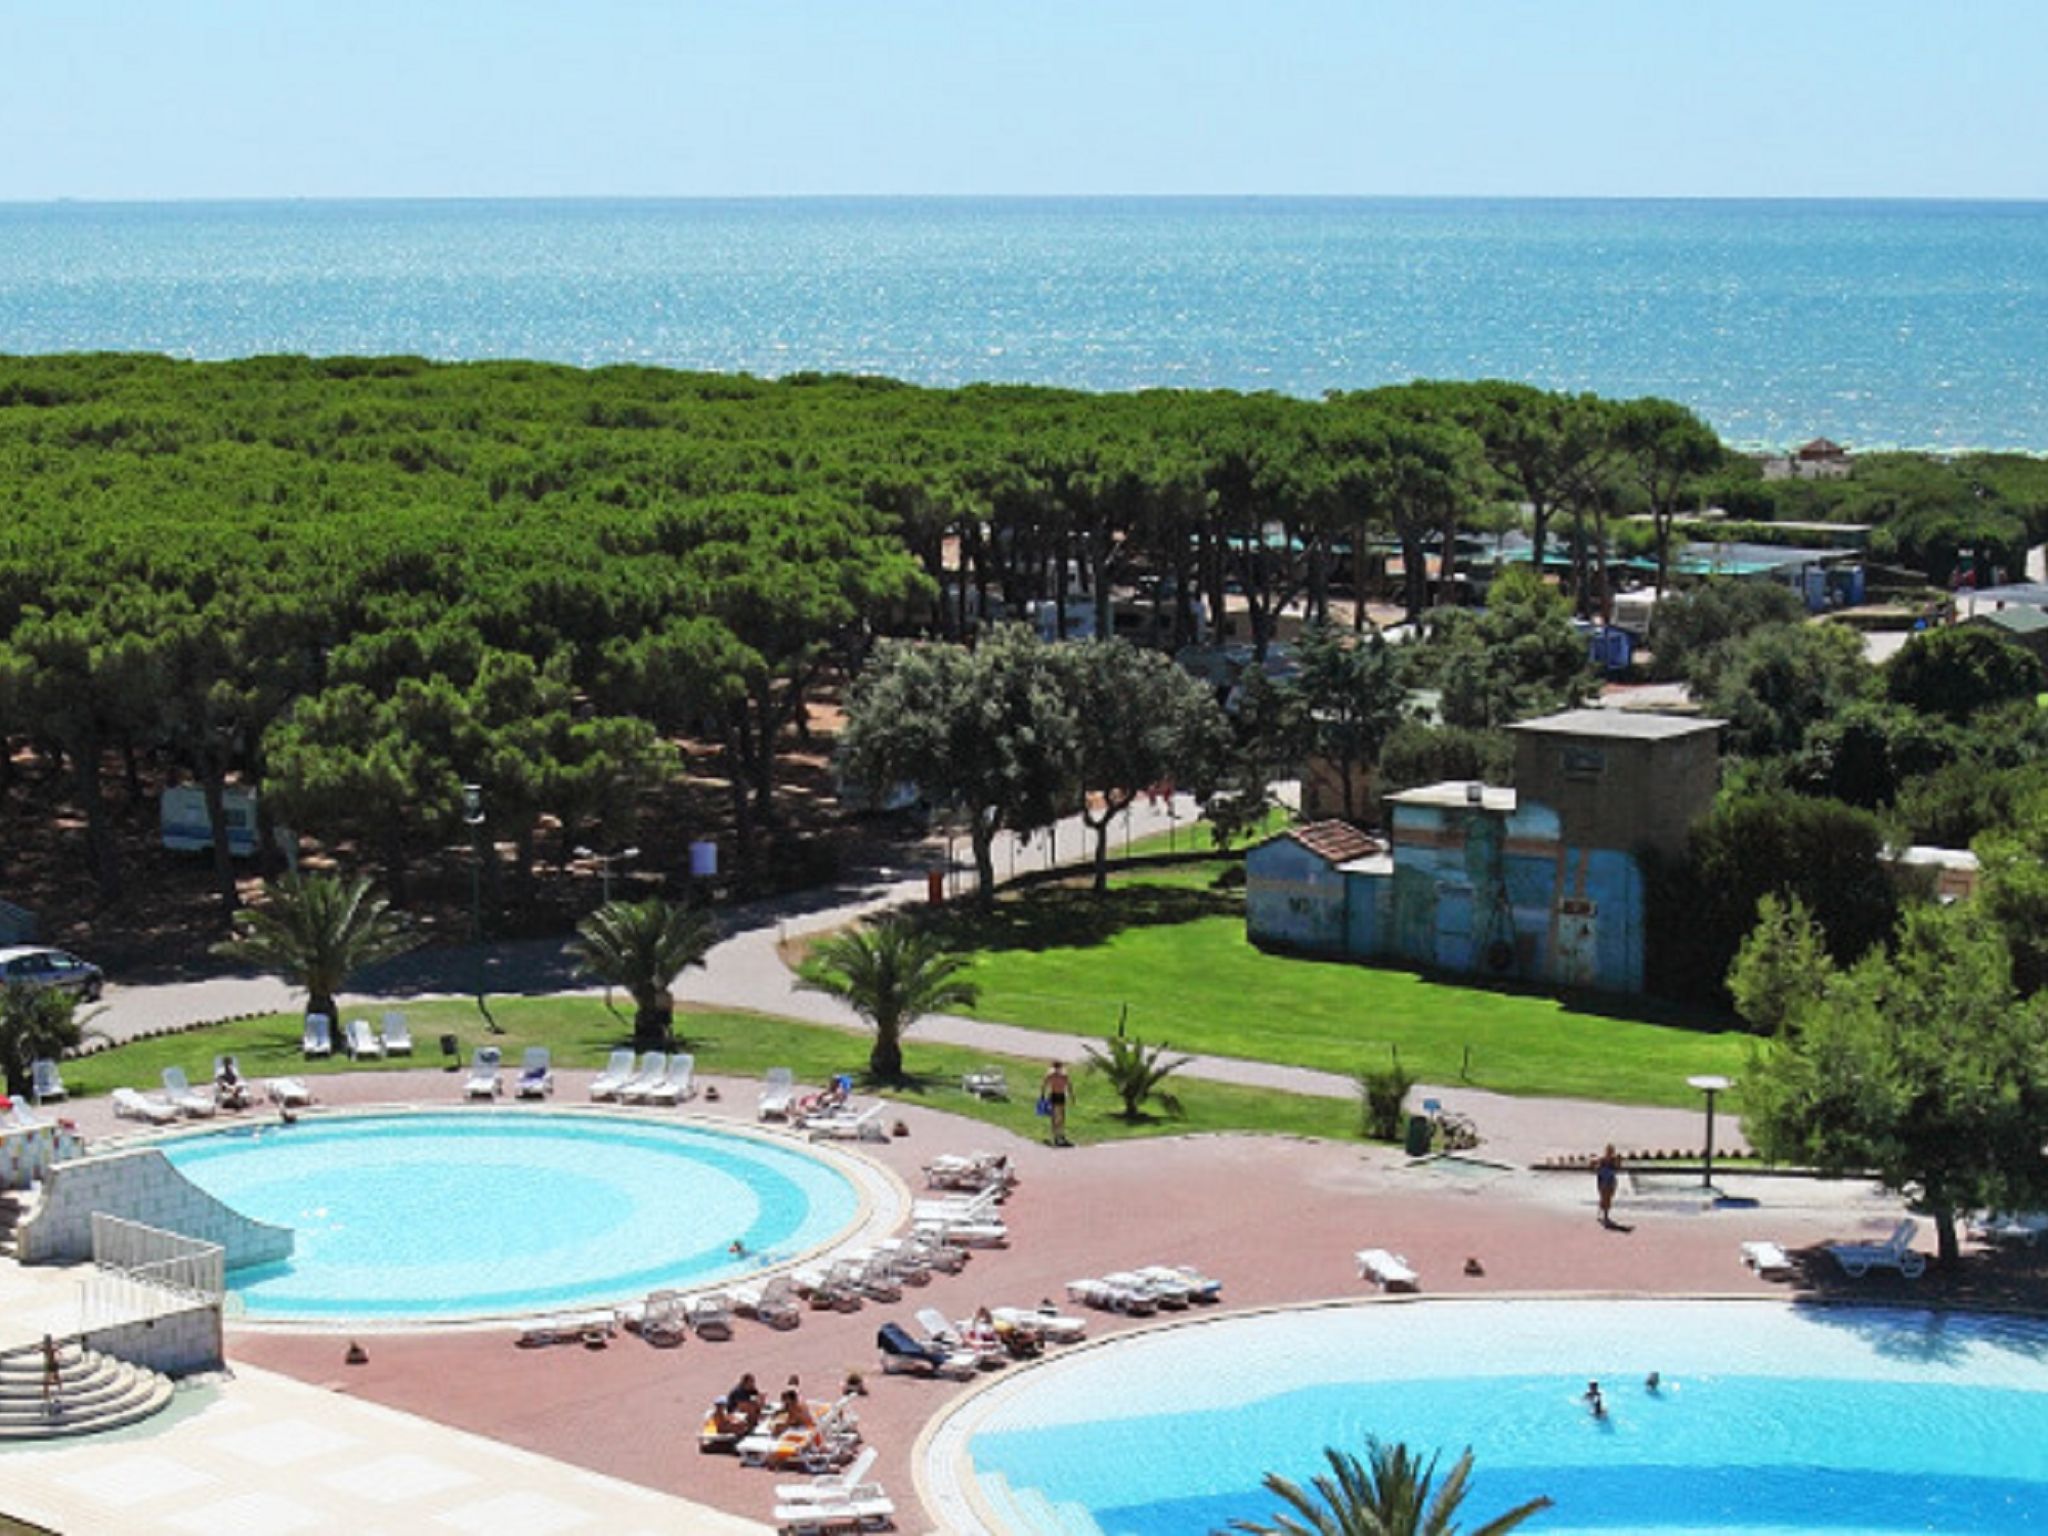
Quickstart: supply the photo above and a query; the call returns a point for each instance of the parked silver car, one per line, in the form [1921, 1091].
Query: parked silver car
[30, 967]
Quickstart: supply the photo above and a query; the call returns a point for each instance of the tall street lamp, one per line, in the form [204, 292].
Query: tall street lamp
[604, 864]
[473, 818]
[1710, 1085]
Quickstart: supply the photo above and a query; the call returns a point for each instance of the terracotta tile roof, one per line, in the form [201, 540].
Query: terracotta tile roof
[1338, 841]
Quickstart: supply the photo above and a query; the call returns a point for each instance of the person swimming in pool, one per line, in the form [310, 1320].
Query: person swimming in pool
[1596, 1400]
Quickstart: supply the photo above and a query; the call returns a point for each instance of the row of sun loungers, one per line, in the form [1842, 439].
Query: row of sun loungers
[1141, 1292]
[658, 1078]
[536, 1074]
[181, 1099]
[359, 1039]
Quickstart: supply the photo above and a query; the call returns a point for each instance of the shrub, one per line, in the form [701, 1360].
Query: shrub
[1383, 1095]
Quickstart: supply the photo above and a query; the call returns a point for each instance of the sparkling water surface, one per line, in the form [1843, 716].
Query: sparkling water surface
[1920, 324]
[439, 1215]
[1769, 1418]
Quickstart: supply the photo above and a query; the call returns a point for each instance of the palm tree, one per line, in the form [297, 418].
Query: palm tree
[642, 946]
[892, 973]
[1389, 1497]
[316, 931]
[1135, 1070]
[34, 1022]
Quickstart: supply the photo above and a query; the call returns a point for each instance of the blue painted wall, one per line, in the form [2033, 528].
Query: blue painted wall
[1293, 898]
[1487, 895]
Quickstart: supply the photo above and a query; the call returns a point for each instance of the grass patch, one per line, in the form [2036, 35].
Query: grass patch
[580, 1032]
[1172, 946]
[1198, 834]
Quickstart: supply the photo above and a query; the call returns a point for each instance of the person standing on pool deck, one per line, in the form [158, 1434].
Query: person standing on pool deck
[1607, 1175]
[1055, 1090]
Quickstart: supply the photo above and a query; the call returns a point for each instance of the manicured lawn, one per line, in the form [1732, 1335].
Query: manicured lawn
[580, 1032]
[1173, 947]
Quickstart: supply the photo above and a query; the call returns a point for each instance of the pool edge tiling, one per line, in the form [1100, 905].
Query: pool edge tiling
[875, 1199]
[1742, 1428]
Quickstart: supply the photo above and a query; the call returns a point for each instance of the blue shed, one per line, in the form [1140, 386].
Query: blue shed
[1295, 894]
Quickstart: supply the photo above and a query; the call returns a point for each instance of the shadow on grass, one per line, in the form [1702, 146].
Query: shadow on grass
[1628, 1008]
[1066, 917]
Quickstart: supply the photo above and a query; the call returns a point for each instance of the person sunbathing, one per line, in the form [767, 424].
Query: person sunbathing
[792, 1413]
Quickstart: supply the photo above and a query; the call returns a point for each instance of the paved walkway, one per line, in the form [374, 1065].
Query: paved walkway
[745, 971]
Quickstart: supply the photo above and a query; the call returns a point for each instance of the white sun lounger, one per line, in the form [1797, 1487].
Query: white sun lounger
[847, 1125]
[2023, 1227]
[183, 1097]
[709, 1315]
[536, 1074]
[1108, 1297]
[483, 1081]
[1767, 1258]
[865, 1510]
[362, 1040]
[618, 1071]
[318, 1039]
[961, 1232]
[774, 1302]
[678, 1083]
[131, 1105]
[831, 1485]
[287, 1092]
[1198, 1285]
[1895, 1252]
[778, 1093]
[396, 1035]
[1389, 1271]
[652, 1074]
[45, 1081]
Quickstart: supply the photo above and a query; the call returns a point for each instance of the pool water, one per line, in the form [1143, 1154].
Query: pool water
[1769, 1418]
[424, 1216]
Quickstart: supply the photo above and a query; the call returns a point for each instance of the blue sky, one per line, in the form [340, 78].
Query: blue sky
[149, 99]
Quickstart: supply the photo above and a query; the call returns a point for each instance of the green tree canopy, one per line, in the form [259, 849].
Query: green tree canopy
[990, 732]
[1921, 1066]
[1957, 672]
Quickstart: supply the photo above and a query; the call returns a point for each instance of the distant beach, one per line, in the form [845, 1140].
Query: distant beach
[1876, 324]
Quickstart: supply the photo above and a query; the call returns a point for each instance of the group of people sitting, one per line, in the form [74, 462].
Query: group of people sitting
[743, 1409]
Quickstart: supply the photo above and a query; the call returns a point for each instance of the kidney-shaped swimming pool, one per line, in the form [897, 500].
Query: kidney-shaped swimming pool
[1765, 1419]
[439, 1216]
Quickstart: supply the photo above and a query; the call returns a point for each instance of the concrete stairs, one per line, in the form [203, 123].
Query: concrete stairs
[98, 1392]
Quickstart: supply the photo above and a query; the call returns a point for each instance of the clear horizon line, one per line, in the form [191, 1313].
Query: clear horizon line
[252, 198]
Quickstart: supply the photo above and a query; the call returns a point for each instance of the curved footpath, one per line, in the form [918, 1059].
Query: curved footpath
[745, 971]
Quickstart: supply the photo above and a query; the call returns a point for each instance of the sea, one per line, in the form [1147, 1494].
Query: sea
[1877, 324]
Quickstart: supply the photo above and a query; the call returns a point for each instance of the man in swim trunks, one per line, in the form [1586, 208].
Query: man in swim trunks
[1056, 1089]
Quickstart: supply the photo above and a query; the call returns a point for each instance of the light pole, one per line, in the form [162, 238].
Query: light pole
[1710, 1085]
[604, 865]
[473, 818]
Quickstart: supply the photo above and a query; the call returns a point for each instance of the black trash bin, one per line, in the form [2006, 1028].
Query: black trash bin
[1418, 1136]
[451, 1050]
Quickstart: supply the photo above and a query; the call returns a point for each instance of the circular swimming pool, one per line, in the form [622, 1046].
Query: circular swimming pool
[439, 1216]
[1766, 1419]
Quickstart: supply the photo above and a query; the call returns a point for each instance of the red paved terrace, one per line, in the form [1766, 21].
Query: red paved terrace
[1277, 1219]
